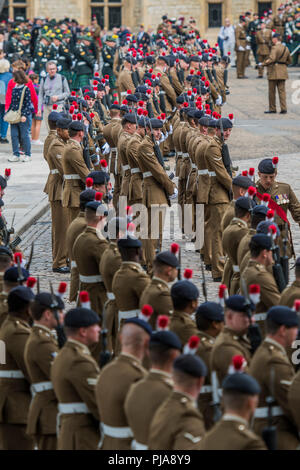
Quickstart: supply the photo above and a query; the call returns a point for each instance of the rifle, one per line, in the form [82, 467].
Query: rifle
[86, 150]
[216, 398]
[155, 102]
[179, 268]
[21, 278]
[203, 283]
[254, 333]
[30, 257]
[269, 433]
[162, 101]
[61, 336]
[150, 110]
[284, 260]
[105, 355]
[225, 152]
[277, 268]
[180, 74]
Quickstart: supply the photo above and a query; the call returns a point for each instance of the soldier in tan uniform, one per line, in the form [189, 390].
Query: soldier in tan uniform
[292, 293]
[124, 81]
[40, 352]
[274, 372]
[75, 170]
[240, 185]
[6, 261]
[87, 251]
[52, 120]
[129, 125]
[210, 323]
[233, 235]
[157, 293]
[177, 424]
[277, 63]
[160, 70]
[279, 21]
[185, 301]
[76, 227]
[232, 340]
[264, 42]
[10, 281]
[125, 370]
[157, 189]
[135, 190]
[145, 396]
[55, 189]
[240, 48]
[74, 374]
[219, 195]
[256, 273]
[15, 394]
[110, 263]
[232, 432]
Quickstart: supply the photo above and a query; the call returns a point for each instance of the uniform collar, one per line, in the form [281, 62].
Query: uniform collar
[77, 143]
[130, 356]
[275, 343]
[81, 345]
[186, 395]
[161, 372]
[239, 419]
[42, 327]
[154, 278]
[236, 219]
[132, 263]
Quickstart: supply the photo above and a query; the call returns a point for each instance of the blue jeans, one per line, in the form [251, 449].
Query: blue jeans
[3, 124]
[20, 133]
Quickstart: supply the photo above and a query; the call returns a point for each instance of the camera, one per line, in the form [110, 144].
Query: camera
[47, 100]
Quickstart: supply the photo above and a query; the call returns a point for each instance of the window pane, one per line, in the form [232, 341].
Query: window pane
[97, 1]
[99, 13]
[115, 17]
[20, 11]
[214, 15]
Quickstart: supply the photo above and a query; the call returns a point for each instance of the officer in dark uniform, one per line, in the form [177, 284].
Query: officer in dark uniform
[41, 55]
[66, 57]
[85, 61]
[108, 53]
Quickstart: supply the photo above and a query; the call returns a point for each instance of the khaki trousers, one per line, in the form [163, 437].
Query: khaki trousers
[151, 245]
[216, 214]
[280, 85]
[46, 442]
[240, 63]
[14, 437]
[72, 214]
[59, 228]
[117, 190]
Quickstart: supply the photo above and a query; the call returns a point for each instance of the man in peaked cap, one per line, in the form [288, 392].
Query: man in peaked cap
[232, 340]
[125, 370]
[145, 396]
[274, 372]
[78, 413]
[40, 351]
[210, 323]
[232, 432]
[292, 293]
[75, 170]
[55, 189]
[283, 196]
[157, 293]
[233, 235]
[185, 301]
[177, 424]
[256, 272]
[14, 379]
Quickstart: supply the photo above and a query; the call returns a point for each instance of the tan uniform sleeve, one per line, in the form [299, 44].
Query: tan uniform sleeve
[55, 154]
[269, 292]
[79, 165]
[216, 164]
[84, 375]
[149, 160]
[46, 356]
[272, 57]
[294, 206]
[16, 349]
[284, 375]
[190, 434]
[167, 87]
[141, 282]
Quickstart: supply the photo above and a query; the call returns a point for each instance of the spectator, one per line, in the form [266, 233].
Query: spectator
[21, 131]
[20, 65]
[36, 120]
[3, 43]
[5, 76]
[53, 89]
[228, 36]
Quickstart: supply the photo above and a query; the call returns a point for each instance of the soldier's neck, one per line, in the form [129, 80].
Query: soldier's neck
[137, 353]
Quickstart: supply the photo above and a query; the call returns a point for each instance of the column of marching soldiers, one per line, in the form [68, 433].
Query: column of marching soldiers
[165, 373]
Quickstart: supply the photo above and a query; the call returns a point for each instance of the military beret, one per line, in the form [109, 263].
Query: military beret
[191, 112]
[1, 202]
[212, 123]
[76, 126]
[245, 203]
[264, 241]
[264, 226]
[204, 90]
[185, 58]
[150, 60]
[266, 166]
[142, 122]
[130, 117]
[198, 114]
[259, 209]
[115, 106]
[227, 124]
[141, 96]
[99, 177]
[211, 311]
[242, 383]
[20, 293]
[238, 303]
[296, 264]
[184, 289]
[81, 318]
[87, 195]
[191, 365]
[124, 108]
[141, 89]
[3, 182]
[282, 315]
[166, 338]
[205, 57]
[89, 95]
[276, 35]
[242, 18]
[100, 87]
[132, 98]
[141, 323]
[164, 58]
[168, 258]
[204, 121]
[11, 274]
[155, 123]
[180, 99]
[130, 59]
[129, 242]
[194, 58]
[50, 301]
[5, 250]
[63, 123]
[98, 207]
[242, 181]
[54, 116]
